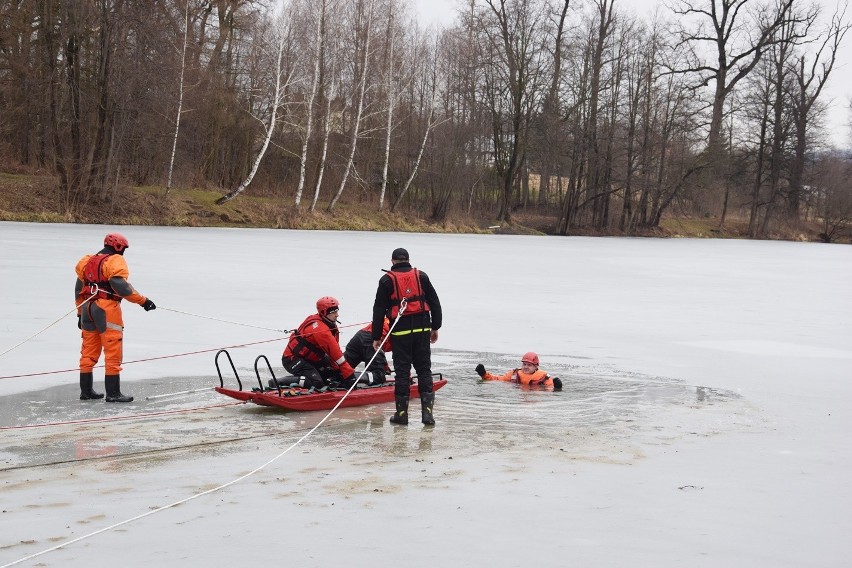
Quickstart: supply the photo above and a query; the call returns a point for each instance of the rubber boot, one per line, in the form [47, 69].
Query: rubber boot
[113, 389]
[427, 401]
[401, 416]
[86, 391]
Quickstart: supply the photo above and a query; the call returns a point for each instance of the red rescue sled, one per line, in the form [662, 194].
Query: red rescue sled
[297, 398]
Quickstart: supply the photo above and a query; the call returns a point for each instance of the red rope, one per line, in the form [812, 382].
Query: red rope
[77, 369]
[115, 418]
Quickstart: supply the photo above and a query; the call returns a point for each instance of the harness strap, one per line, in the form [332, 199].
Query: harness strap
[303, 344]
[93, 279]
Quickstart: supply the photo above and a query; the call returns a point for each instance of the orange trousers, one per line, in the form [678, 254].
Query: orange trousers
[110, 341]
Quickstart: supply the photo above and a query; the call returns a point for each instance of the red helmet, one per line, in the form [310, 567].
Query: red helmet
[327, 304]
[530, 357]
[117, 241]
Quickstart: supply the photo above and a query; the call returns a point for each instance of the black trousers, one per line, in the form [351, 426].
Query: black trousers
[314, 376]
[412, 350]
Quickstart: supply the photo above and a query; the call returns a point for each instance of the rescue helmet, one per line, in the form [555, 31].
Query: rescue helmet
[327, 304]
[117, 241]
[530, 357]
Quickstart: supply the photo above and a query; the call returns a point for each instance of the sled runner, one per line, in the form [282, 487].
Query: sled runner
[286, 394]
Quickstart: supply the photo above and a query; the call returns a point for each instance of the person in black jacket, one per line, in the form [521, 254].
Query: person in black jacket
[417, 328]
[360, 350]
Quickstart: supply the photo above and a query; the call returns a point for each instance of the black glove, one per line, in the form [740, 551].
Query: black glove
[480, 370]
[79, 321]
[557, 384]
[149, 305]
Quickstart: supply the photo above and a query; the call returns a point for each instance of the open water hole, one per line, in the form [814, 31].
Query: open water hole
[601, 414]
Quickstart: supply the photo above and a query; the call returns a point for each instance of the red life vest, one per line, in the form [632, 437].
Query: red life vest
[301, 344]
[407, 285]
[93, 277]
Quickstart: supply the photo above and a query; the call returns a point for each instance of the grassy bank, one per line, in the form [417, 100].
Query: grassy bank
[35, 198]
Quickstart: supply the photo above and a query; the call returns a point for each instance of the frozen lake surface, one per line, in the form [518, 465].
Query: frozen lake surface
[703, 422]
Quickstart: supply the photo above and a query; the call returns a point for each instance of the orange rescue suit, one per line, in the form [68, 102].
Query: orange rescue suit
[103, 325]
[518, 376]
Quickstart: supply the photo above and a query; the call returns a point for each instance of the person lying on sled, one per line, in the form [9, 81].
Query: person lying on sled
[360, 350]
[313, 352]
[529, 374]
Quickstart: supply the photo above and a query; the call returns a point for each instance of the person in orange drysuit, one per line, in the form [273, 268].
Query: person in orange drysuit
[529, 374]
[101, 285]
[313, 352]
[360, 349]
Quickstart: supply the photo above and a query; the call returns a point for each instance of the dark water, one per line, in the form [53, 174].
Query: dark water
[600, 414]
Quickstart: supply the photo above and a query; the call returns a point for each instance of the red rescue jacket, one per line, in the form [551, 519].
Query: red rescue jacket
[316, 341]
[93, 275]
[407, 285]
[385, 328]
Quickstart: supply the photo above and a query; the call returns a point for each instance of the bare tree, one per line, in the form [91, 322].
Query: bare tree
[319, 38]
[364, 21]
[550, 112]
[432, 80]
[274, 105]
[781, 51]
[834, 198]
[180, 99]
[761, 96]
[513, 31]
[809, 83]
[324, 146]
[391, 94]
[737, 33]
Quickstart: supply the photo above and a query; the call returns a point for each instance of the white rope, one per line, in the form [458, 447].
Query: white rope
[224, 485]
[224, 320]
[66, 314]
[156, 396]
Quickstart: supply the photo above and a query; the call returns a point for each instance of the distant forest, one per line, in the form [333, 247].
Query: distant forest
[604, 120]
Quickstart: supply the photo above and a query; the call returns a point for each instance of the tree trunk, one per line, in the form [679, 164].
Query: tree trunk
[276, 102]
[356, 126]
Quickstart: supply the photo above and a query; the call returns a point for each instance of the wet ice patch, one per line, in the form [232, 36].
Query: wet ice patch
[602, 414]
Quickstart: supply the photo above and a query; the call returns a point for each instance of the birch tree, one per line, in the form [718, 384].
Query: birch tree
[275, 104]
[432, 80]
[180, 99]
[318, 54]
[364, 21]
[390, 88]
